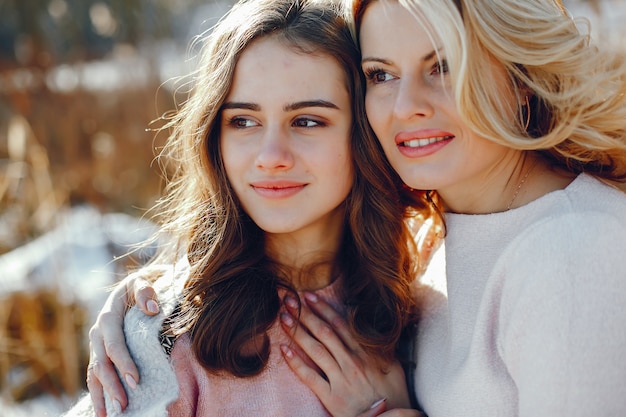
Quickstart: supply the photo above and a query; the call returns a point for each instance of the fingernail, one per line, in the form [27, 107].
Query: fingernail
[311, 297]
[286, 318]
[286, 351]
[291, 302]
[130, 381]
[153, 307]
[377, 403]
[117, 406]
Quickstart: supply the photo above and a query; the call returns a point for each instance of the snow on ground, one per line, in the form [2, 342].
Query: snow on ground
[77, 257]
[40, 407]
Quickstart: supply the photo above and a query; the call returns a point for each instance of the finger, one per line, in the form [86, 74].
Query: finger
[307, 374]
[96, 393]
[311, 377]
[343, 391]
[332, 317]
[322, 354]
[100, 377]
[108, 340]
[324, 330]
[145, 295]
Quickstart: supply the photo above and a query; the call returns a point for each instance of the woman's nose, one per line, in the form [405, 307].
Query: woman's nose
[412, 100]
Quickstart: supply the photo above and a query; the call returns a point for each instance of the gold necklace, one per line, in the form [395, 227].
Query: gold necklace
[519, 187]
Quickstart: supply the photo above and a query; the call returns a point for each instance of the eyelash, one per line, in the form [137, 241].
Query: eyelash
[307, 120]
[240, 122]
[440, 67]
[371, 73]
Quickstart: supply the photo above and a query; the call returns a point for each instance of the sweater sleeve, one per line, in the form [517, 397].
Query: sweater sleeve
[82, 408]
[562, 325]
[157, 387]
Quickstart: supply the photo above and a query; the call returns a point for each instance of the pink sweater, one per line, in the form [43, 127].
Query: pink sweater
[276, 391]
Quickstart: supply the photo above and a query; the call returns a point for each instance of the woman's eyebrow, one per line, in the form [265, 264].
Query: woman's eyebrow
[425, 58]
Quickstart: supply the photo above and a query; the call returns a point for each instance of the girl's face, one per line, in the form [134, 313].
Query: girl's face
[410, 107]
[285, 139]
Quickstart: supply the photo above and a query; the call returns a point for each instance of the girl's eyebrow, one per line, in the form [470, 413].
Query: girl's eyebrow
[241, 105]
[289, 107]
[310, 103]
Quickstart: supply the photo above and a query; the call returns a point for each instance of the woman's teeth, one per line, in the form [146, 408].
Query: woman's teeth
[418, 143]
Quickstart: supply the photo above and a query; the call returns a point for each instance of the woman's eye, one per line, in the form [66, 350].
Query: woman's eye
[305, 122]
[241, 122]
[440, 67]
[377, 76]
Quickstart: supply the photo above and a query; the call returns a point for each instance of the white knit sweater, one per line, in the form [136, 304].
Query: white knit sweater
[158, 386]
[535, 318]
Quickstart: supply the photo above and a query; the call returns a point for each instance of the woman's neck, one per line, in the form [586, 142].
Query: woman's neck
[308, 257]
[527, 179]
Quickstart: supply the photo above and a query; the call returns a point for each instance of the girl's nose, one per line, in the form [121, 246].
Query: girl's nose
[275, 151]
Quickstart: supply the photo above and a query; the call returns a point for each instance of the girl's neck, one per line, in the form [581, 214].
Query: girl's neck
[307, 259]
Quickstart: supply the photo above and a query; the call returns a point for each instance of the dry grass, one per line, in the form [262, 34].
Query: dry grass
[65, 149]
[41, 346]
[56, 151]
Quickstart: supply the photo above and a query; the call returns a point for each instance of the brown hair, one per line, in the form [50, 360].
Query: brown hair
[231, 296]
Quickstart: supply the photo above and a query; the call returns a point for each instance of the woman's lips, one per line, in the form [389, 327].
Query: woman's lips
[422, 142]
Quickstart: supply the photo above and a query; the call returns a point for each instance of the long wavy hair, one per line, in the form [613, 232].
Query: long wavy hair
[231, 296]
[576, 91]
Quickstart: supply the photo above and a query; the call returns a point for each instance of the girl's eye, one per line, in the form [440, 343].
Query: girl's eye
[306, 122]
[440, 67]
[377, 75]
[241, 122]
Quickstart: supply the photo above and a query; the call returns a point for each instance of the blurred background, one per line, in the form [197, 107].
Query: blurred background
[83, 84]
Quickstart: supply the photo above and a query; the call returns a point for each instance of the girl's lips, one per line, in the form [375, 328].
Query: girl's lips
[277, 189]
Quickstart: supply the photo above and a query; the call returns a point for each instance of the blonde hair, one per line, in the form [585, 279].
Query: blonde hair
[576, 91]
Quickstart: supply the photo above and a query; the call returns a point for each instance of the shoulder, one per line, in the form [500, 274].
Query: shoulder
[571, 254]
[573, 251]
[566, 273]
[158, 385]
[587, 220]
[560, 311]
[585, 236]
[83, 408]
[168, 288]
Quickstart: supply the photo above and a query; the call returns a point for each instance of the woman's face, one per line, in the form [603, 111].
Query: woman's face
[285, 139]
[410, 106]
